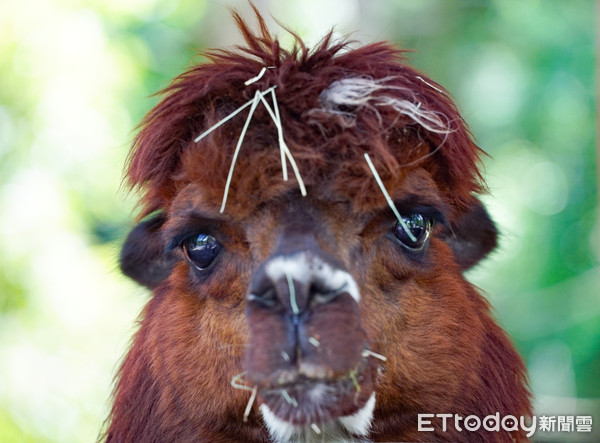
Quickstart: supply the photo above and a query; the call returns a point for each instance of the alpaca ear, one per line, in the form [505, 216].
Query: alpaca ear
[143, 257]
[473, 236]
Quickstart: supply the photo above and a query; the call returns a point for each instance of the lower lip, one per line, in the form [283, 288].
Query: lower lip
[310, 401]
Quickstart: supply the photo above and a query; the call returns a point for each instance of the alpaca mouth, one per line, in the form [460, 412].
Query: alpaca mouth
[318, 399]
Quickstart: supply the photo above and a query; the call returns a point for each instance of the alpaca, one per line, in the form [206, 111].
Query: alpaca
[307, 217]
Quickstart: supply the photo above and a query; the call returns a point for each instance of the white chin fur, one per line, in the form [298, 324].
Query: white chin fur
[348, 428]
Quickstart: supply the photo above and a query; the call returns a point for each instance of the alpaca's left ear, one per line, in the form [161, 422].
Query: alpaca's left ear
[143, 257]
[472, 237]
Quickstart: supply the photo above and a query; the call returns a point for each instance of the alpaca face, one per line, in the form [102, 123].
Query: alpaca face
[326, 310]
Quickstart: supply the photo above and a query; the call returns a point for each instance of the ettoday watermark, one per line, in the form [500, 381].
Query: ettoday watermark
[509, 423]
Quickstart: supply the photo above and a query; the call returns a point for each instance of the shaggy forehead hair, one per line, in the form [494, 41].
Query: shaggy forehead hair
[335, 104]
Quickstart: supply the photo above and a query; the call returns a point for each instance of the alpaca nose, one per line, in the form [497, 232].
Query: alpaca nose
[299, 282]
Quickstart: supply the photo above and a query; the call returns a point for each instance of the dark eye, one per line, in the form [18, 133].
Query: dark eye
[419, 227]
[201, 250]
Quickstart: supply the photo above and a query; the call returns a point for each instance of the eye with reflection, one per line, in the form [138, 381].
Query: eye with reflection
[419, 226]
[201, 250]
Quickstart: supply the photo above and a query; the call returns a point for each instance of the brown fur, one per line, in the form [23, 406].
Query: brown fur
[445, 353]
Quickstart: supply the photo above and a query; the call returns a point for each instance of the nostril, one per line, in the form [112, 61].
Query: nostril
[267, 298]
[322, 294]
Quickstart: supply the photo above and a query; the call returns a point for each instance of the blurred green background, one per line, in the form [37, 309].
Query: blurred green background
[77, 76]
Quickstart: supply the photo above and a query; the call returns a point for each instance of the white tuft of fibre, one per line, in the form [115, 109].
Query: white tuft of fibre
[356, 92]
[360, 423]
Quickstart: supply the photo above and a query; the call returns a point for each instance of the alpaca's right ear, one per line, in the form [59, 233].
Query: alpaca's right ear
[143, 257]
[473, 236]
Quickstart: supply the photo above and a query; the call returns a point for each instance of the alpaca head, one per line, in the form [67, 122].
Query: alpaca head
[309, 215]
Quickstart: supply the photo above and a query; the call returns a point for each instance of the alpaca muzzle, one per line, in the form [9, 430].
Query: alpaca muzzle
[306, 340]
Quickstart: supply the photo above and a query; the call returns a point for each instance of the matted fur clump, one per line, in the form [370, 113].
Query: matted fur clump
[308, 217]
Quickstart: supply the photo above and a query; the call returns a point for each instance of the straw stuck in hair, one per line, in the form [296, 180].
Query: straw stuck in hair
[257, 78]
[281, 141]
[259, 96]
[352, 375]
[236, 385]
[283, 147]
[292, 290]
[230, 116]
[288, 398]
[367, 353]
[237, 149]
[429, 84]
[250, 403]
[388, 198]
